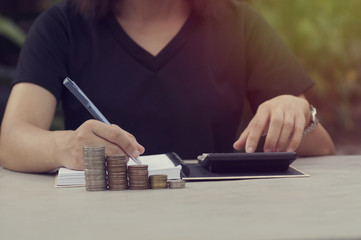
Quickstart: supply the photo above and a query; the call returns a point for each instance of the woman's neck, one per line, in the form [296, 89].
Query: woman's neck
[143, 11]
[152, 24]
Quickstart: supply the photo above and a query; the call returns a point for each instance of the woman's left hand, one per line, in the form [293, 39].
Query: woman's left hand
[283, 119]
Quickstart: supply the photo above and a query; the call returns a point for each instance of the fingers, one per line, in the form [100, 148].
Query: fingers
[241, 142]
[113, 137]
[110, 149]
[250, 136]
[275, 128]
[297, 134]
[118, 138]
[255, 132]
[286, 131]
[115, 140]
[282, 119]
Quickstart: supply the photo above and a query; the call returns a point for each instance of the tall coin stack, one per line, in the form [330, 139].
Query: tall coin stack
[138, 177]
[117, 172]
[94, 163]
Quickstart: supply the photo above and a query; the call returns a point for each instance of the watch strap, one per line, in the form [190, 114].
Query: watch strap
[314, 121]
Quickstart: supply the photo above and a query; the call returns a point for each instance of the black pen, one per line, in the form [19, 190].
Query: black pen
[94, 111]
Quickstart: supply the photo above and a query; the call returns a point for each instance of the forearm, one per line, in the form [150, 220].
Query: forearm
[27, 148]
[316, 143]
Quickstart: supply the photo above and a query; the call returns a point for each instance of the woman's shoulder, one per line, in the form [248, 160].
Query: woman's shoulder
[60, 21]
[60, 14]
[234, 15]
[243, 11]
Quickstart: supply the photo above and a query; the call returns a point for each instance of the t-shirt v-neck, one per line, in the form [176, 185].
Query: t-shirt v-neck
[154, 63]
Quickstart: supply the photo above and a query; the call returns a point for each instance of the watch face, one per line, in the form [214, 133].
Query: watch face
[313, 113]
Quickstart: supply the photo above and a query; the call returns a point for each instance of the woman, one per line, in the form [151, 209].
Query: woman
[174, 74]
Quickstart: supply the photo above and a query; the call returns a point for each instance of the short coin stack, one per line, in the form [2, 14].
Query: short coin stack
[138, 177]
[95, 176]
[177, 183]
[158, 181]
[117, 172]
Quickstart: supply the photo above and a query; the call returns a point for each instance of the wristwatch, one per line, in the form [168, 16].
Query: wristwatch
[314, 121]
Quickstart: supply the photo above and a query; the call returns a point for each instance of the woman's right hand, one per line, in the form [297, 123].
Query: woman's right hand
[26, 144]
[93, 132]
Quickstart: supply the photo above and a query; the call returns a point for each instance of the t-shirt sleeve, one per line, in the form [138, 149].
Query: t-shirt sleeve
[271, 68]
[44, 54]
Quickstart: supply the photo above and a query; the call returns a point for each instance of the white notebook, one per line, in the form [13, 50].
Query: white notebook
[157, 164]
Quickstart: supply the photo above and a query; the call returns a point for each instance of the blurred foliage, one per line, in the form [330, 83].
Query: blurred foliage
[16, 17]
[11, 31]
[325, 35]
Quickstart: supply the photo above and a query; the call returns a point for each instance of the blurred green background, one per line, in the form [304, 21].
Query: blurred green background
[324, 34]
[326, 37]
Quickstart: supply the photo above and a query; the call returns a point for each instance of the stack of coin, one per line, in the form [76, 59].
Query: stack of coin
[158, 181]
[117, 172]
[178, 183]
[138, 177]
[95, 176]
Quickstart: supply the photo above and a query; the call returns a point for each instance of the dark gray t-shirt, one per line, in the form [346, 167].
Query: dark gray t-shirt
[188, 99]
